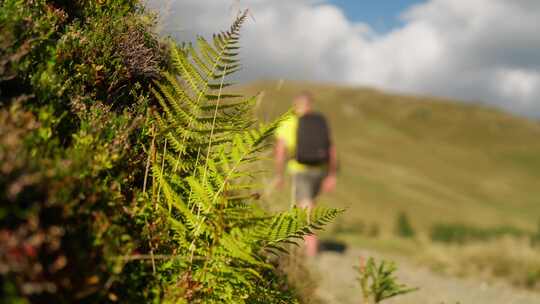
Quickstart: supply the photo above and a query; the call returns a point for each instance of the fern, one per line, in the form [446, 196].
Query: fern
[206, 138]
[288, 227]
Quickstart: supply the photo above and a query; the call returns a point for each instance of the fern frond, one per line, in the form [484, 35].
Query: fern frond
[238, 249]
[296, 224]
[173, 200]
[205, 185]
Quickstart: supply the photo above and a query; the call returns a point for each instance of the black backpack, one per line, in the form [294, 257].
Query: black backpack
[312, 140]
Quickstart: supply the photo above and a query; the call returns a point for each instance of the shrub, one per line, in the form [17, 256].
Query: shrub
[535, 238]
[61, 207]
[114, 192]
[71, 160]
[403, 226]
[462, 233]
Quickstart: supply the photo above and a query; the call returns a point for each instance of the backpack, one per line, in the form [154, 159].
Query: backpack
[312, 140]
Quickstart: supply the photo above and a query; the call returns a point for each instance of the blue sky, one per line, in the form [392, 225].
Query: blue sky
[381, 15]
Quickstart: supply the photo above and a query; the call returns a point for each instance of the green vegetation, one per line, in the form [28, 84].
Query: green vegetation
[404, 227]
[126, 170]
[437, 160]
[129, 170]
[203, 143]
[378, 281]
[461, 233]
[70, 150]
[300, 276]
[510, 259]
[535, 238]
[466, 173]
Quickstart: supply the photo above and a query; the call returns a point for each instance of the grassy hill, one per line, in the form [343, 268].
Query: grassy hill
[437, 160]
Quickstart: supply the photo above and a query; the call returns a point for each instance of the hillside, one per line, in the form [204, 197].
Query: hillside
[437, 160]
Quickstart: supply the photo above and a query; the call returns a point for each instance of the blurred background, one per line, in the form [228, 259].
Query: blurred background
[485, 51]
[434, 106]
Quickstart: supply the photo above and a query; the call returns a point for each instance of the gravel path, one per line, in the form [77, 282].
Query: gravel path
[338, 284]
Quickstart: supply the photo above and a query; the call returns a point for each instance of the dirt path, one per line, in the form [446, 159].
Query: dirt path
[339, 286]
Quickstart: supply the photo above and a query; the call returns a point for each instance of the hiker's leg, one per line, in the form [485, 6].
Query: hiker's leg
[311, 241]
[303, 198]
[307, 188]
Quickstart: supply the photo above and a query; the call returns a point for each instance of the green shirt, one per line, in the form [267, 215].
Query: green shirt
[287, 132]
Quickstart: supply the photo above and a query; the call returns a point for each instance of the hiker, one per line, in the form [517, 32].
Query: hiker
[305, 148]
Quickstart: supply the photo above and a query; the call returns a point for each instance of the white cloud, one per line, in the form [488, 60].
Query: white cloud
[483, 50]
[519, 85]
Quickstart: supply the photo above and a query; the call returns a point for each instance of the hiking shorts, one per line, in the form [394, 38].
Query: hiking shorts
[307, 184]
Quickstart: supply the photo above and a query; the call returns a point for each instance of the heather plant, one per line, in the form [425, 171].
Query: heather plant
[113, 191]
[61, 207]
[70, 152]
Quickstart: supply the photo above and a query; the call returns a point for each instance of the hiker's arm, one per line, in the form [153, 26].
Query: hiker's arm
[280, 156]
[332, 162]
[329, 183]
